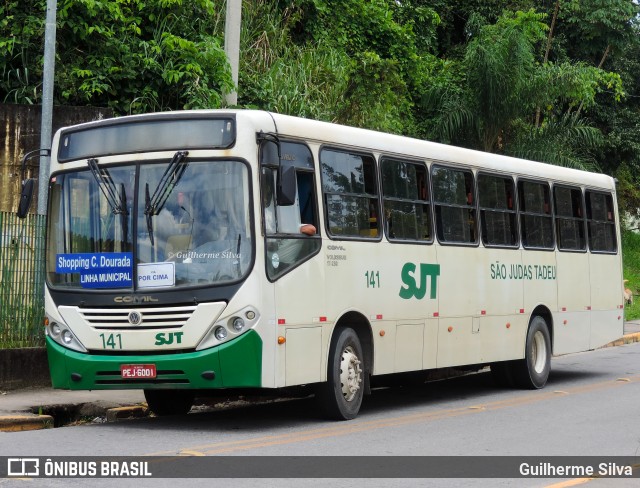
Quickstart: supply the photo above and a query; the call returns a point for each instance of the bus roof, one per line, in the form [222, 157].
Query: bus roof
[365, 140]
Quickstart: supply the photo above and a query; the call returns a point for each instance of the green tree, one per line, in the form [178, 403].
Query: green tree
[131, 55]
[21, 41]
[488, 99]
[277, 74]
[345, 61]
[606, 33]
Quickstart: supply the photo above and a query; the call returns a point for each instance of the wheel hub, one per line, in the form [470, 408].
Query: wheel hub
[539, 352]
[350, 373]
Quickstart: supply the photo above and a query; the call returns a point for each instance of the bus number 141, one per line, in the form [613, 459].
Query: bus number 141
[112, 341]
[373, 279]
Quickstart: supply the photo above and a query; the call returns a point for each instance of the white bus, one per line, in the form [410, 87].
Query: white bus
[221, 249]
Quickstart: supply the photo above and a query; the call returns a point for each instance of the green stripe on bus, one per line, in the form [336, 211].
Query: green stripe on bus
[237, 363]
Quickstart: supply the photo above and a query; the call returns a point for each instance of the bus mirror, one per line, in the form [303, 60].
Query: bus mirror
[286, 186]
[28, 184]
[26, 195]
[269, 153]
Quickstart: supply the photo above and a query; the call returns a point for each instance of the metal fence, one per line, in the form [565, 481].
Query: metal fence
[21, 281]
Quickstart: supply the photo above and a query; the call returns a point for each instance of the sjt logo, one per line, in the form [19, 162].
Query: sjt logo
[410, 288]
[167, 338]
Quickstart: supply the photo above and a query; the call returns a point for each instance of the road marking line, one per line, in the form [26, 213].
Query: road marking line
[356, 426]
[574, 482]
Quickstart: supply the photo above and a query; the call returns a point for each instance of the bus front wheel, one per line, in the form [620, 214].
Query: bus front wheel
[532, 372]
[169, 402]
[341, 396]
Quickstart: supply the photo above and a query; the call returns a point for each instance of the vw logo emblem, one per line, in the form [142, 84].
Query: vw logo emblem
[135, 318]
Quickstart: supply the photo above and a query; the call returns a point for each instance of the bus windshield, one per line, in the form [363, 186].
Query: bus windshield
[104, 232]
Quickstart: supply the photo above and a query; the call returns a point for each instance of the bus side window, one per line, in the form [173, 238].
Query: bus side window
[601, 224]
[406, 206]
[497, 215]
[350, 194]
[569, 218]
[454, 204]
[290, 229]
[536, 221]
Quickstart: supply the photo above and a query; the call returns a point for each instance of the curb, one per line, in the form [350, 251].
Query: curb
[626, 339]
[24, 422]
[19, 423]
[122, 413]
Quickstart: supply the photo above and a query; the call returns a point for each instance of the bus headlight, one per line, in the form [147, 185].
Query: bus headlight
[67, 337]
[237, 324]
[55, 330]
[220, 333]
[230, 326]
[59, 332]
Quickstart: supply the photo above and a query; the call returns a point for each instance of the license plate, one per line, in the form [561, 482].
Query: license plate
[135, 371]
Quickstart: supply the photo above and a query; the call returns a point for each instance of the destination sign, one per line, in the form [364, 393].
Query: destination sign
[98, 270]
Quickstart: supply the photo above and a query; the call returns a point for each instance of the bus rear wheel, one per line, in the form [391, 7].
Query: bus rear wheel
[532, 372]
[169, 402]
[340, 397]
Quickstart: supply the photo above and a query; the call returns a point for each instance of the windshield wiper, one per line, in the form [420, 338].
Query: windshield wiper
[154, 204]
[108, 187]
[118, 203]
[124, 220]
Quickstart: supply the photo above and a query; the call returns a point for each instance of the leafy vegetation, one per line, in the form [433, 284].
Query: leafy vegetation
[130, 55]
[631, 272]
[550, 80]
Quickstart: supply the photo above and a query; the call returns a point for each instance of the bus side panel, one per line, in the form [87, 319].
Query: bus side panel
[573, 320]
[607, 322]
[502, 337]
[395, 288]
[409, 345]
[303, 355]
[415, 294]
[396, 348]
[457, 344]
[481, 298]
[541, 284]
[301, 316]
[462, 293]
[384, 346]
[430, 347]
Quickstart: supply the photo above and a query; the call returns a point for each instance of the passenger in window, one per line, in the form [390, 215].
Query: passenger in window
[305, 197]
[308, 229]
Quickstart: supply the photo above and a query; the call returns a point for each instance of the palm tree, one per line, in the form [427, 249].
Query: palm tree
[488, 100]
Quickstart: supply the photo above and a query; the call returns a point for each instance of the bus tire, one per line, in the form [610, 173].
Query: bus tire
[532, 372]
[341, 396]
[501, 373]
[169, 402]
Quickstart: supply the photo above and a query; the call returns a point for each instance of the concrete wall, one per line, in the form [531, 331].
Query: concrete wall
[20, 133]
[23, 368]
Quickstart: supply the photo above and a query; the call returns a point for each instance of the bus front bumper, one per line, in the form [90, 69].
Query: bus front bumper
[235, 364]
